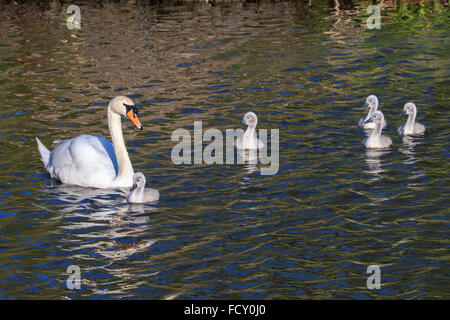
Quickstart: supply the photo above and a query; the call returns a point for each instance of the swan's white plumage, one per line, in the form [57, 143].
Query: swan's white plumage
[249, 139]
[141, 194]
[372, 104]
[85, 160]
[376, 139]
[411, 127]
[44, 152]
[92, 161]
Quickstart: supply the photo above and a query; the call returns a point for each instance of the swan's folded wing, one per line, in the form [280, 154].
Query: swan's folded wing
[419, 128]
[93, 152]
[151, 195]
[386, 142]
[84, 157]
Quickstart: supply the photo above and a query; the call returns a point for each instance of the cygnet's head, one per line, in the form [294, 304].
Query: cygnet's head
[377, 117]
[409, 108]
[371, 102]
[139, 179]
[250, 119]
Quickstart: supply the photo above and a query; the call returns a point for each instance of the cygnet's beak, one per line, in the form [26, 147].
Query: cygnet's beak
[244, 121]
[365, 105]
[133, 187]
[369, 120]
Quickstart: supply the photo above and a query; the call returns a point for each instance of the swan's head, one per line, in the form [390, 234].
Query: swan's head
[409, 108]
[371, 102]
[139, 180]
[250, 119]
[126, 108]
[377, 117]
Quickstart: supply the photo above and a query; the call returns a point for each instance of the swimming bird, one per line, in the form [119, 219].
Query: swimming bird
[376, 139]
[249, 140]
[372, 104]
[411, 127]
[141, 194]
[93, 161]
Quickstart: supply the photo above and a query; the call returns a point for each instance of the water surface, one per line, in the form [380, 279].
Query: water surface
[226, 231]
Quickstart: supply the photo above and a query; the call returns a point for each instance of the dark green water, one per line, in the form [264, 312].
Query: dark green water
[225, 231]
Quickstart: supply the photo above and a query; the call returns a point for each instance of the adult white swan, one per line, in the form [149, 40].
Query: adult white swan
[92, 161]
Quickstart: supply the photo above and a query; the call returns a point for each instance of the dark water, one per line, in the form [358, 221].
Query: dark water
[226, 231]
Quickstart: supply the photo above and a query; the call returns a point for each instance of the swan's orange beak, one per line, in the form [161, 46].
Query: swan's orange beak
[133, 117]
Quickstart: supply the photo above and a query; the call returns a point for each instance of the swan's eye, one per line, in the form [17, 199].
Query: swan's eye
[131, 107]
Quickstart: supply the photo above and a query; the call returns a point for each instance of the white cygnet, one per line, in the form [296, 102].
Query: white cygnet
[139, 193]
[376, 139]
[249, 139]
[372, 104]
[411, 127]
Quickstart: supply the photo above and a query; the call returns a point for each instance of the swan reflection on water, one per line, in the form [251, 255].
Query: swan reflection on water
[373, 160]
[375, 169]
[249, 158]
[409, 143]
[102, 215]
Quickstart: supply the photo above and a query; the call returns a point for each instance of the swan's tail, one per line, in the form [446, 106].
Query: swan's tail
[45, 153]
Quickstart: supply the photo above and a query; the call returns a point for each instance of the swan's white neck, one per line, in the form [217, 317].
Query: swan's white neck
[376, 133]
[372, 109]
[409, 127]
[125, 169]
[138, 193]
[249, 134]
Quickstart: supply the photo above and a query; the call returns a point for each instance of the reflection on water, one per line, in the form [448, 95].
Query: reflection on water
[407, 148]
[249, 158]
[373, 160]
[226, 231]
[410, 143]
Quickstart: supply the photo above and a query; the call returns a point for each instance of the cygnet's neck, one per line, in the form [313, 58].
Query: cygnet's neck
[250, 132]
[377, 130]
[410, 122]
[139, 192]
[373, 108]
